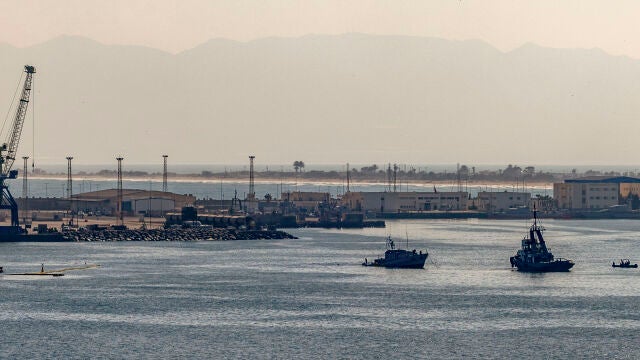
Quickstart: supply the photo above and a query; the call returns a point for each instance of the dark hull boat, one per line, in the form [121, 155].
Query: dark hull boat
[544, 266]
[534, 255]
[17, 234]
[399, 259]
[625, 264]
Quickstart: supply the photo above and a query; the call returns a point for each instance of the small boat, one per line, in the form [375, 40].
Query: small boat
[534, 255]
[398, 258]
[624, 263]
[39, 274]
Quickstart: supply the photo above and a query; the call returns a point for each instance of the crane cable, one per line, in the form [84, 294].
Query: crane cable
[10, 107]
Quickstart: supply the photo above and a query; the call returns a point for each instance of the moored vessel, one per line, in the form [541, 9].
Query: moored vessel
[398, 258]
[534, 256]
[18, 234]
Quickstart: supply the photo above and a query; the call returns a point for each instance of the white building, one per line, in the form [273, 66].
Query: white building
[594, 192]
[501, 201]
[405, 201]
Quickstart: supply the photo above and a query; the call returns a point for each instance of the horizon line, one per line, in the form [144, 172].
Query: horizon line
[100, 42]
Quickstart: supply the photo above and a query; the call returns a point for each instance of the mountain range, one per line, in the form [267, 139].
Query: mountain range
[326, 99]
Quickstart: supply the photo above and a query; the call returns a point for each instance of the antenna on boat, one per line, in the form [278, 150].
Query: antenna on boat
[407, 236]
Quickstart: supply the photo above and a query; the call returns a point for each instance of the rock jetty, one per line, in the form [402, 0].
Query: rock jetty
[192, 234]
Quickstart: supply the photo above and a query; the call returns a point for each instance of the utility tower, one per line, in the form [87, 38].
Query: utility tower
[165, 185]
[348, 178]
[70, 186]
[395, 176]
[459, 178]
[251, 196]
[119, 205]
[252, 191]
[25, 191]
[69, 178]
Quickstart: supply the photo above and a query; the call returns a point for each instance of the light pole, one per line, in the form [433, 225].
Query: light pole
[70, 186]
[25, 192]
[120, 215]
[165, 185]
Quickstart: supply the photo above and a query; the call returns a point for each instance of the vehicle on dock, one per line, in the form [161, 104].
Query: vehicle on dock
[534, 256]
[398, 258]
[624, 263]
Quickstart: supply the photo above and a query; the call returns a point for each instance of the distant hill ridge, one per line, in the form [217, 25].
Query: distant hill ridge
[320, 98]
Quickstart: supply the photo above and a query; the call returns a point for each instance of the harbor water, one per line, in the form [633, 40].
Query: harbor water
[310, 298]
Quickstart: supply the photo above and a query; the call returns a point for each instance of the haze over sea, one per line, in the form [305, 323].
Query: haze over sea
[216, 189]
[220, 168]
[223, 188]
[310, 298]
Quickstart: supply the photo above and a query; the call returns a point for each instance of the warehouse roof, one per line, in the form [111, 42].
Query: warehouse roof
[603, 180]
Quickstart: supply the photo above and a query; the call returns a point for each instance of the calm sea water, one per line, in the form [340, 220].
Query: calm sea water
[310, 298]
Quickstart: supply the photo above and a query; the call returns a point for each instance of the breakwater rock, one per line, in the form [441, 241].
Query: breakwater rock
[192, 234]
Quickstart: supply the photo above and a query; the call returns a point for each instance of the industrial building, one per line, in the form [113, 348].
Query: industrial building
[405, 201]
[595, 192]
[134, 201]
[501, 201]
[309, 200]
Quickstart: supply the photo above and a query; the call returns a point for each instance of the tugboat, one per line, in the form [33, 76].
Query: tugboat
[399, 259]
[534, 255]
[624, 263]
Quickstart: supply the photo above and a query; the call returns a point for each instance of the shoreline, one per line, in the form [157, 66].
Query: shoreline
[305, 181]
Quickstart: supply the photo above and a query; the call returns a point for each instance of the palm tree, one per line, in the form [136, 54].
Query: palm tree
[298, 164]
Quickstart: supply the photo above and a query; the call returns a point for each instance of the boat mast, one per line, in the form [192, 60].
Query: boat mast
[406, 233]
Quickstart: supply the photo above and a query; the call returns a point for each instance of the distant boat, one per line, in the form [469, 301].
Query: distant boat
[534, 255]
[624, 263]
[399, 259]
[56, 272]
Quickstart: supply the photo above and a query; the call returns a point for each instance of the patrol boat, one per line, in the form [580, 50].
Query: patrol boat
[534, 255]
[399, 259]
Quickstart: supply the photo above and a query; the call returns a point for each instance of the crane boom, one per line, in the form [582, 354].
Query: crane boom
[11, 147]
[8, 150]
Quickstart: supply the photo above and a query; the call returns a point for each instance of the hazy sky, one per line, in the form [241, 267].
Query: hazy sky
[174, 25]
[605, 92]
